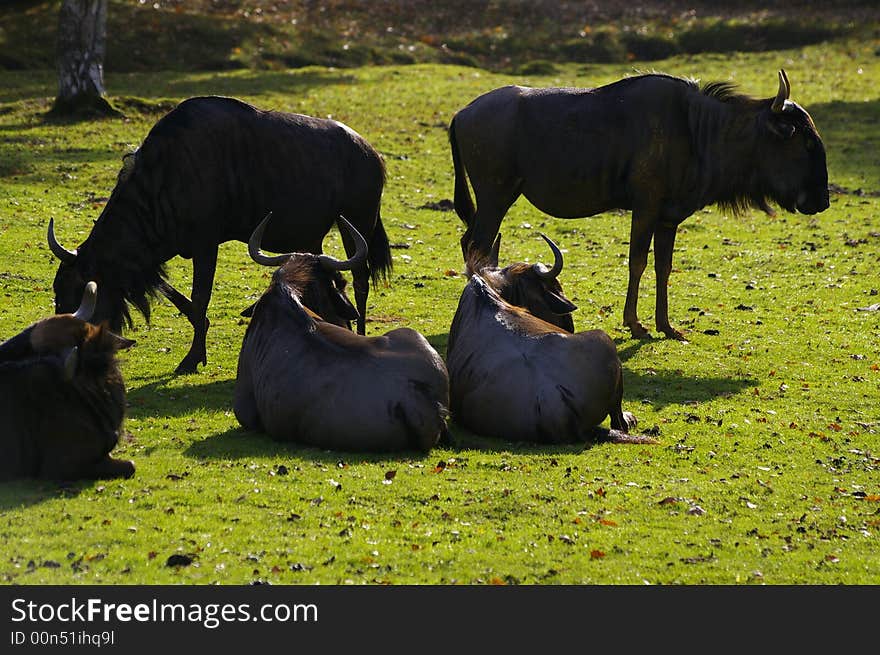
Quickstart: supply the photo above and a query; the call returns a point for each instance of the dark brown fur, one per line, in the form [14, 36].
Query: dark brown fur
[62, 402]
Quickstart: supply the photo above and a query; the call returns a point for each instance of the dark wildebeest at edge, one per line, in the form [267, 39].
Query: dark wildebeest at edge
[656, 144]
[514, 376]
[62, 399]
[301, 378]
[205, 170]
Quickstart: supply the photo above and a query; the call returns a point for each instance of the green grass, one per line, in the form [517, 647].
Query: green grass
[767, 470]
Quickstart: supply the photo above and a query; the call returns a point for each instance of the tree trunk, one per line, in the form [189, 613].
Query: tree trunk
[82, 36]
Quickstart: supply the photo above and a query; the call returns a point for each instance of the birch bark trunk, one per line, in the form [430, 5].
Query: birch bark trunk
[82, 36]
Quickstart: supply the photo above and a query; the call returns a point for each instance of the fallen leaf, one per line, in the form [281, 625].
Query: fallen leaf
[597, 554]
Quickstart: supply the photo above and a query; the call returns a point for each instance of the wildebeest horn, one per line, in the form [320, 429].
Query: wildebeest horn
[254, 246]
[332, 264]
[62, 253]
[557, 263]
[87, 305]
[783, 93]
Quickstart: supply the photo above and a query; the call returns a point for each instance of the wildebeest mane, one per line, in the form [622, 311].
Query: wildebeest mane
[128, 238]
[723, 137]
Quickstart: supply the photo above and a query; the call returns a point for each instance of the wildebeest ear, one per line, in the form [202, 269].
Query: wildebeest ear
[121, 343]
[558, 304]
[109, 339]
[344, 308]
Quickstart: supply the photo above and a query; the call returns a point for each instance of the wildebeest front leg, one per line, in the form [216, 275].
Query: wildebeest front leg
[361, 283]
[183, 304]
[664, 242]
[204, 267]
[641, 231]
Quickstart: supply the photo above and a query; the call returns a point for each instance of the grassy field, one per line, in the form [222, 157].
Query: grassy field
[767, 467]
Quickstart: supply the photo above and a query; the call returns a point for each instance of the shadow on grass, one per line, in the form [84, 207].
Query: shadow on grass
[464, 439]
[157, 398]
[851, 133]
[238, 443]
[19, 494]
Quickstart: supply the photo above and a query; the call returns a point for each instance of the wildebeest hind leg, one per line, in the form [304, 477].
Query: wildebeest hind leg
[664, 243]
[639, 243]
[492, 205]
[204, 267]
[183, 304]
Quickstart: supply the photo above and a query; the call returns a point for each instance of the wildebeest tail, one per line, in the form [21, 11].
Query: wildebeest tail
[379, 254]
[464, 205]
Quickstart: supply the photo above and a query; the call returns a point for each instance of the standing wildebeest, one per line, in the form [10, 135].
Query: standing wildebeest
[204, 173]
[301, 378]
[62, 399]
[658, 145]
[514, 376]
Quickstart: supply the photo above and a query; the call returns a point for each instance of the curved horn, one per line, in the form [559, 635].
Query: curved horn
[87, 305]
[254, 246]
[332, 264]
[62, 253]
[782, 94]
[540, 270]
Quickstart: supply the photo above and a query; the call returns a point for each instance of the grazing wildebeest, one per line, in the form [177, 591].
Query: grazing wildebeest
[514, 376]
[205, 173]
[301, 378]
[656, 144]
[62, 399]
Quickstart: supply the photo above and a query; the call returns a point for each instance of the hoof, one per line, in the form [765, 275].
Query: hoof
[630, 419]
[672, 333]
[187, 367]
[638, 331]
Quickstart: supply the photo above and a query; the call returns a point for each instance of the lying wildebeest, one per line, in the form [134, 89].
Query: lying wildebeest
[205, 170]
[656, 144]
[62, 399]
[533, 286]
[514, 376]
[301, 378]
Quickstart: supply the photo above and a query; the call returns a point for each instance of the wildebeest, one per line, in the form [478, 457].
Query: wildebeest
[514, 376]
[659, 145]
[62, 399]
[533, 286]
[204, 175]
[301, 378]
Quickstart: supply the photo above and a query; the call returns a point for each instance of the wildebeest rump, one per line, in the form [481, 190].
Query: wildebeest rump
[207, 172]
[62, 399]
[659, 145]
[301, 378]
[514, 376]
